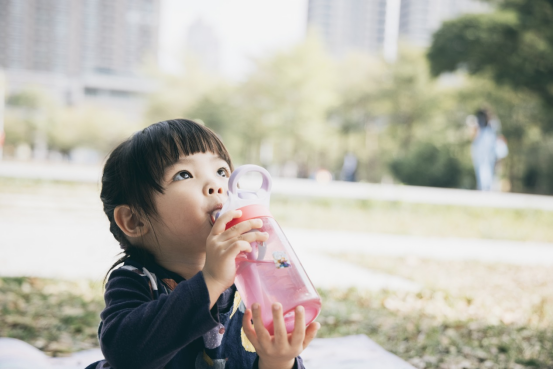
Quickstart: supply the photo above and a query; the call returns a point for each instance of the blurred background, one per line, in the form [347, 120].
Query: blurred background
[410, 142]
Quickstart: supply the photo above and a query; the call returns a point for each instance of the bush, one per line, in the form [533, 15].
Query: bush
[537, 176]
[427, 165]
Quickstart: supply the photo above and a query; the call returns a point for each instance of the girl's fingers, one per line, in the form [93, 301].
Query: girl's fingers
[297, 336]
[221, 222]
[263, 335]
[243, 227]
[311, 331]
[254, 236]
[240, 243]
[237, 247]
[279, 329]
[249, 328]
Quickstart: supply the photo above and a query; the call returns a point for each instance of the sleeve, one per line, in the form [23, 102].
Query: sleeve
[298, 363]
[138, 332]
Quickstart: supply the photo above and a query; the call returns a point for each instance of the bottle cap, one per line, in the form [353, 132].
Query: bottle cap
[250, 212]
[254, 204]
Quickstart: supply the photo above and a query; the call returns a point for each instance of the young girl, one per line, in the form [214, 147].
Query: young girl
[173, 303]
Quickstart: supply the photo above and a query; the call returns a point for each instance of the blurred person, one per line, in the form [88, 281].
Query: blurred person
[322, 175]
[487, 148]
[349, 167]
[173, 303]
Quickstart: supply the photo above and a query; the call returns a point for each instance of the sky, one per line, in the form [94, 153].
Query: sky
[246, 29]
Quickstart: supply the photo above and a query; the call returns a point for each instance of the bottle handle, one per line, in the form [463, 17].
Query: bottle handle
[262, 193]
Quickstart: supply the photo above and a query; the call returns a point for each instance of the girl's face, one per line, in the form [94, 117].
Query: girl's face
[195, 189]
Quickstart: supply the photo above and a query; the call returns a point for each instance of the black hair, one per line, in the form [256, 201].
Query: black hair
[134, 171]
[483, 117]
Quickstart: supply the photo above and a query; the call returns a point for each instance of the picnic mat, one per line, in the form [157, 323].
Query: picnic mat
[348, 352]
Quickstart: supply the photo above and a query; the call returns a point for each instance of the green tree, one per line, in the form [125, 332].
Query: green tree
[178, 93]
[513, 45]
[359, 114]
[32, 115]
[219, 110]
[386, 108]
[410, 97]
[200, 95]
[88, 126]
[284, 103]
[29, 113]
[428, 165]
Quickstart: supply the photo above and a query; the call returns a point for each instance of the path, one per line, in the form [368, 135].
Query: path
[48, 234]
[310, 188]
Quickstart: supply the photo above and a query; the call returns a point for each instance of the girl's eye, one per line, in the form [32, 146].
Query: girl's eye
[222, 172]
[182, 175]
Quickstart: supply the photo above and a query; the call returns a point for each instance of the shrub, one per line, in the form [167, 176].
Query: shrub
[428, 165]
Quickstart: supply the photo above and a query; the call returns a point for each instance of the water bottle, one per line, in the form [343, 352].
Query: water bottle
[271, 272]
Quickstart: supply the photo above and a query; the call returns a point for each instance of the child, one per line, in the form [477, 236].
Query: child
[173, 303]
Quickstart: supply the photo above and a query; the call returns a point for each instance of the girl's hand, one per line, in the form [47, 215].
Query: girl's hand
[280, 350]
[223, 246]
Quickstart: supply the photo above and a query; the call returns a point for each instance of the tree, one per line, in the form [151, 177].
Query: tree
[385, 108]
[29, 113]
[178, 93]
[284, 103]
[428, 165]
[513, 45]
[33, 117]
[88, 126]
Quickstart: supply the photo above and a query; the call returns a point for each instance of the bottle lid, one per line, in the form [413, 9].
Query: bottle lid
[254, 204]
[250, 212]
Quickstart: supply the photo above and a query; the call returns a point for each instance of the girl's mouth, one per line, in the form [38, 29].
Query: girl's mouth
[214, 215]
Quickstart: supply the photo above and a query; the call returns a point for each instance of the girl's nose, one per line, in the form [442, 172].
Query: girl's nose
[213, 188]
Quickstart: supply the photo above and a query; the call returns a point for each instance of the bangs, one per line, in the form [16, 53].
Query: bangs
[160, 145]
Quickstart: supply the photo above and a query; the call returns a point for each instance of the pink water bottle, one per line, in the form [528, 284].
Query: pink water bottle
[271, 272]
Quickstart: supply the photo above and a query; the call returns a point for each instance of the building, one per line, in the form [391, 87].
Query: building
[364, 25]
[349, 25]
[204, 44]
[80, 50]
[419, 19]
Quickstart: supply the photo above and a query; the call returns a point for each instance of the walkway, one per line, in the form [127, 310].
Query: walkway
[49, 234]
[310, 188]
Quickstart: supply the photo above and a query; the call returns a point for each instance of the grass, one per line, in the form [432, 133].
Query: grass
[57, 317]
[466, 315]
[424, 220]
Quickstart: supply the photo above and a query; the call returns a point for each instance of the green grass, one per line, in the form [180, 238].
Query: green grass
[414, 219]
[58, 317]
[467, 314]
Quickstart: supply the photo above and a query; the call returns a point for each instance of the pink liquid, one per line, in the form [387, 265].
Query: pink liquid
[261, 282]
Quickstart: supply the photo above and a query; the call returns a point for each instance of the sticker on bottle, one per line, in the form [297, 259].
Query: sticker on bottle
[280, 259]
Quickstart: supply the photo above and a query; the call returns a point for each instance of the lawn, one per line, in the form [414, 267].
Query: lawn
[466, 315]
[412, 219]
[58, 317]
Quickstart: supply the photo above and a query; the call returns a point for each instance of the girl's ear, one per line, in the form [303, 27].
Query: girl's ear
[129, 222]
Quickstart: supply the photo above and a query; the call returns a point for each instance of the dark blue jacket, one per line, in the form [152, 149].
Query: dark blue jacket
[156, 319]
